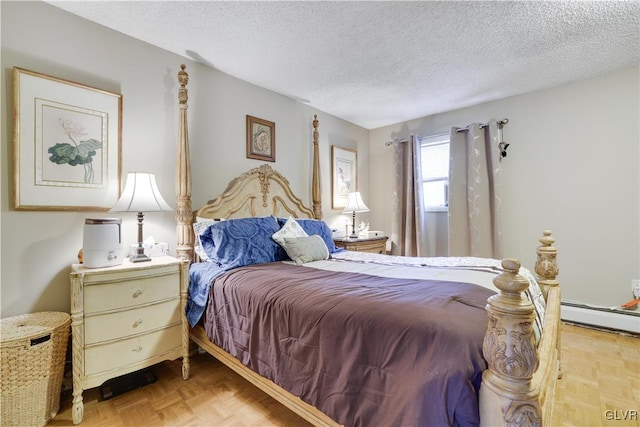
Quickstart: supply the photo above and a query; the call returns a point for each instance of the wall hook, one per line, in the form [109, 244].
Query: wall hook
[502, 146]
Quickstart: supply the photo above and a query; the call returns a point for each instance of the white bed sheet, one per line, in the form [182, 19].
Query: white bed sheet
[482, 277]
[480, 271]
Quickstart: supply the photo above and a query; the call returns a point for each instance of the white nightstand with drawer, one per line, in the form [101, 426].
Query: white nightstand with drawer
[125, 318]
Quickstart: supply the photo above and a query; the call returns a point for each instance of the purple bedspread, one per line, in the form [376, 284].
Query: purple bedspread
[365, 350]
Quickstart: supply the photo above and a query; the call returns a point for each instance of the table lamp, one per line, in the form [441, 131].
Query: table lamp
[354, 204]
[140, 195]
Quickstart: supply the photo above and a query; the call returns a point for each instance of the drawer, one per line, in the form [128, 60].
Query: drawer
[120, 324]
[115, 355]
[130, 292]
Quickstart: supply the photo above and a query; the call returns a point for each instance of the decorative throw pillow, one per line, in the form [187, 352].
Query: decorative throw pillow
[306, 249]
[319, 227]
[244, 241]
[199, 226]
[290, 229]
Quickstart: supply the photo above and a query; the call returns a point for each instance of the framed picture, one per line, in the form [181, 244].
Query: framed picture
[261, 139]
[67, 142]
[344, 174]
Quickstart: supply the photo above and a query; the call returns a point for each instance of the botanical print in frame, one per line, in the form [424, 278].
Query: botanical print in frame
[67, 144]
[261, 139]
[344, 174]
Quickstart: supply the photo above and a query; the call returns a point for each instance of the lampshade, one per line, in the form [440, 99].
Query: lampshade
[140, 194]
[355, 203]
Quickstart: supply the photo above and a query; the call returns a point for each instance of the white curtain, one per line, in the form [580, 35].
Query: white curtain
[475, 213]
[408, 221]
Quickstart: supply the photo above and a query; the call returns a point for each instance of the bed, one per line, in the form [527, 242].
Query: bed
[361, 339]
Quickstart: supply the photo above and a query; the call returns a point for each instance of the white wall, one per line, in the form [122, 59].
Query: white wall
[38, 247]
[572, 167]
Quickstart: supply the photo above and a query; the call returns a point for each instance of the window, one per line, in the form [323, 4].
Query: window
[434, 156]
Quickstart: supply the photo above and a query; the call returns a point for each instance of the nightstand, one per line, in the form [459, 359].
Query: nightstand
[125, 318]
[376, 245]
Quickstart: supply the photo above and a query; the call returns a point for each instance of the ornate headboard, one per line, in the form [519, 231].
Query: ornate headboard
[261, 191]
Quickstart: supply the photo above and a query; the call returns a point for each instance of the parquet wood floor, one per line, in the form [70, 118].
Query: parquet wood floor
[600, 387]
[601, 381]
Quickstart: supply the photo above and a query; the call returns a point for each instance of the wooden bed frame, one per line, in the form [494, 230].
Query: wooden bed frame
[518, 386]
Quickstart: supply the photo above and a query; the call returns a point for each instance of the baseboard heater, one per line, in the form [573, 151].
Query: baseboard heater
[602, 317]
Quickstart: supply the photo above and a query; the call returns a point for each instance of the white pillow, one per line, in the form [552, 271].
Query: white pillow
[291, 228]
[199, 227]
[306, 249]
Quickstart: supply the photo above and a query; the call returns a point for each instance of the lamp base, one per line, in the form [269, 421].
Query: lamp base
[140, 255]
[353, 235]
[139, 258]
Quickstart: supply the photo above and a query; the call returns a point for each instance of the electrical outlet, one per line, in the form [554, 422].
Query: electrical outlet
[635, 288]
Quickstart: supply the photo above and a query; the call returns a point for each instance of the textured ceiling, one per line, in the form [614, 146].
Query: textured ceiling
[380, 63]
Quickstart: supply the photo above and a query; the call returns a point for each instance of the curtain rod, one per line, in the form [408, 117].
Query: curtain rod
[396, 141]
[500, 123]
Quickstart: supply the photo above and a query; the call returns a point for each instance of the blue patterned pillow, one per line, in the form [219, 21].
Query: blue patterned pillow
[244, 241]
[316, 226]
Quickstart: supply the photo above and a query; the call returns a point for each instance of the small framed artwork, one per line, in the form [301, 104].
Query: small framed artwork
[261, 139]
[344, 175]
[67, 144]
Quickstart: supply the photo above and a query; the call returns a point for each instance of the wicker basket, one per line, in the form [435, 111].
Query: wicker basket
[33, 348]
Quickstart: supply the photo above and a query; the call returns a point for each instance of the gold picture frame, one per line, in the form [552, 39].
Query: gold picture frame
[344, 175]
[66, 144]
[261, 139]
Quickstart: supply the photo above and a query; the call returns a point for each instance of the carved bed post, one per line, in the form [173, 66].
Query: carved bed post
[546, 266]
[184, 248]
[547, 271]
[317, 202]
[510, 351]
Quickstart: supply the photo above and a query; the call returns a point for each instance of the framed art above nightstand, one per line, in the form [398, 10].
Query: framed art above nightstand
[376, 245]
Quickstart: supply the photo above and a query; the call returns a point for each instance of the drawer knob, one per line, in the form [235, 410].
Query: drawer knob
[138, 348]
[137, 293]
[137, 323]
